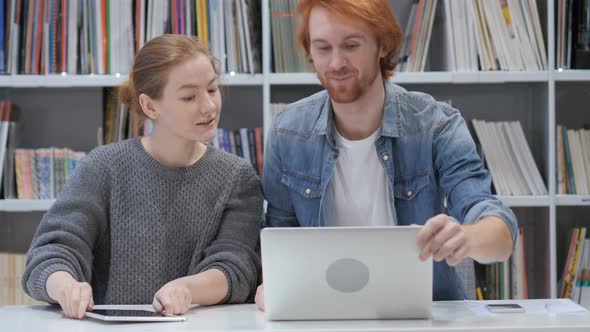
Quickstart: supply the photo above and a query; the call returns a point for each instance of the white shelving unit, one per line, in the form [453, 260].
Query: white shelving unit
[25, 205]
[443, 77]
[29, 205]
[267, 84]
[63, 81]
[525, 201]
[572, 75]
[572, 200]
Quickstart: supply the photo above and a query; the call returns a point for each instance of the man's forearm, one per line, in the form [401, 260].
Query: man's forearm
[489, 240]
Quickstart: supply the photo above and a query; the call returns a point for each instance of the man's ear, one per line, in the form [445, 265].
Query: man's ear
[382, 52]
[148, 106]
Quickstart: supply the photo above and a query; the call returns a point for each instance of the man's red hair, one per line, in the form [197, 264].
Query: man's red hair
[375, 13]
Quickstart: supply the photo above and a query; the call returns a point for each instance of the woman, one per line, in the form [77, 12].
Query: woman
[163, 218]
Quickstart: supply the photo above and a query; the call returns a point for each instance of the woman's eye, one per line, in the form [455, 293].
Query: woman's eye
[190, 98]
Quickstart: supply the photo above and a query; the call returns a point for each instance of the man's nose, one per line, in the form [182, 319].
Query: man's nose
[338, 60]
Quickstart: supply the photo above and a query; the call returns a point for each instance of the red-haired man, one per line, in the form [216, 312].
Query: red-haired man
[368, 152]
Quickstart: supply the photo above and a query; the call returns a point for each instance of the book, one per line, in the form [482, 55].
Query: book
[12, 267]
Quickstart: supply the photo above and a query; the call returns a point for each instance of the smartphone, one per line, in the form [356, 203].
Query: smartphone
[502, 308]
[131, 315]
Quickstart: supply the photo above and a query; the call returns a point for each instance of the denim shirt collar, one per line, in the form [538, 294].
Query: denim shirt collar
[391, 124]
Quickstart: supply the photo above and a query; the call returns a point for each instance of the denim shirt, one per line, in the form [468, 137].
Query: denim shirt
[424, 147]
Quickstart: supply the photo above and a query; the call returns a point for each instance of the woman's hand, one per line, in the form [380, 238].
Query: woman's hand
[75, 298]
[259, 299]
[174, 298]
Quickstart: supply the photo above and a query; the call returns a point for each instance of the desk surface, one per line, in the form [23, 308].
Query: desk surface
[447, 316]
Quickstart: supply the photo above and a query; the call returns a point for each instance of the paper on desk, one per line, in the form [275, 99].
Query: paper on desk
[543, 307]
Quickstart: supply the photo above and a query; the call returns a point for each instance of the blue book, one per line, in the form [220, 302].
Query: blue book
[227, 140]
[238, 141]
[51, 34]
[71, 165]
[220, 139]
[44, 172]
[35, 36]
[208, 8]
[179, 16]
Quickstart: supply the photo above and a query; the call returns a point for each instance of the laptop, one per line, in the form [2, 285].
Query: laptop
[321, 273]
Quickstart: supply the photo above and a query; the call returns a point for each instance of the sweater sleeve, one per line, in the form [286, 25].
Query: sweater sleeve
[67, 233]
[233, 249]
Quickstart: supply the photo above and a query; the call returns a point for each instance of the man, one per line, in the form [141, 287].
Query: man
[368, 152]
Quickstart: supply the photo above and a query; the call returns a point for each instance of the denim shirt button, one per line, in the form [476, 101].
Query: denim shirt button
[385, 157]
[335, 155]
[308, 191]
[409, 193]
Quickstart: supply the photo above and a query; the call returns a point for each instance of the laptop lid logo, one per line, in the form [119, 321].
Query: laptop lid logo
[347, 275]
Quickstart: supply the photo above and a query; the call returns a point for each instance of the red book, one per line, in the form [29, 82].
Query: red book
[174, 17]
[259, 143]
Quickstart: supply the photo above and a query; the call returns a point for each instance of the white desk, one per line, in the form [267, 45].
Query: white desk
[447, 316]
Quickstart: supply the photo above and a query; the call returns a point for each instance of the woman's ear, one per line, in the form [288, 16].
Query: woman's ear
[148, 106]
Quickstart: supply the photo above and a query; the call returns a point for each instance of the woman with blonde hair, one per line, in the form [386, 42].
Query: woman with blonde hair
[163, 219]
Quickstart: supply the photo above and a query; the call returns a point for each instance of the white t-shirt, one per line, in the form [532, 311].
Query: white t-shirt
[358, 194]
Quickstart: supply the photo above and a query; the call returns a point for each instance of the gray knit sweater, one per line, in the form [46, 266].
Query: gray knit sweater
[128, 225]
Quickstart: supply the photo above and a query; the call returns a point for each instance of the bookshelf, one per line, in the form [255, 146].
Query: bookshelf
[538, 99]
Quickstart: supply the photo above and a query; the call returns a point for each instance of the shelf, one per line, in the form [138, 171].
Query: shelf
[442, 77]
[25, 205]
[58, 81]
[525, 201]
[572, 200]
[471, 77]
[572, 75]
[500, 77]
[294, 79]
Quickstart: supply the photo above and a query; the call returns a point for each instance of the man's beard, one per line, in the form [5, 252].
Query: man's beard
[352, 91]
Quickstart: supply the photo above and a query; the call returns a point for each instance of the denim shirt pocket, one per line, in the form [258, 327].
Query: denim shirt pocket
[407, 187]
[307, 186]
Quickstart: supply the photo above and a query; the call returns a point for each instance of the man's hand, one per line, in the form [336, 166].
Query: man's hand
[259, 298]
[75, 298]
[174, 298]
[443, 238]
